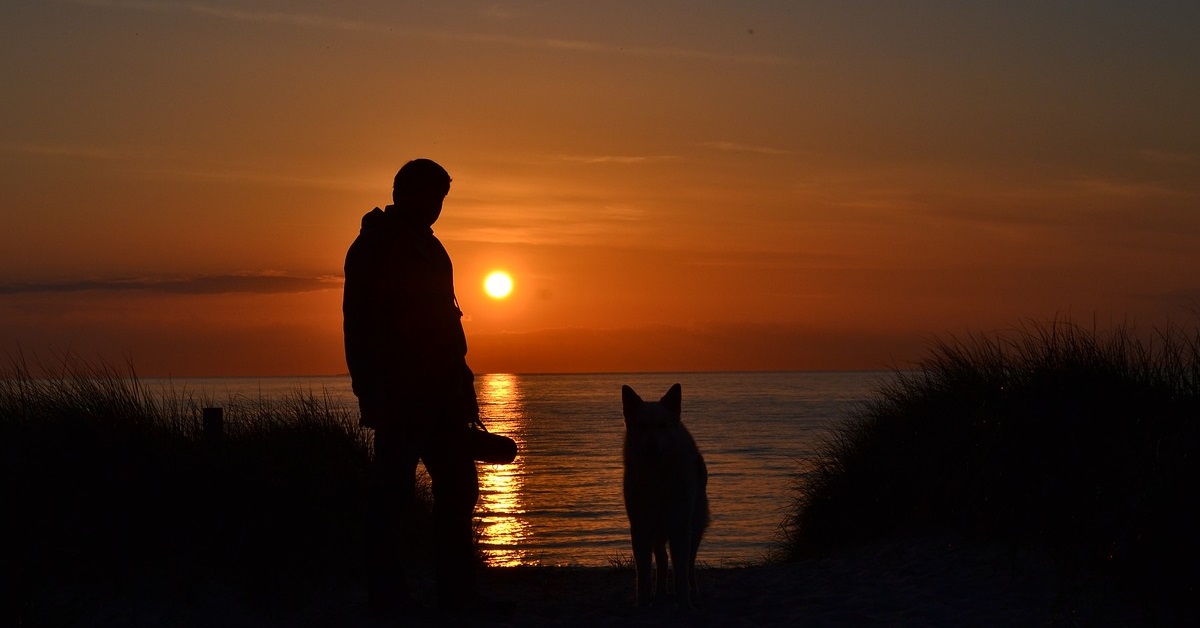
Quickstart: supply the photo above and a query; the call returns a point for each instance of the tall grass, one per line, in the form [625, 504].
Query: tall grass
[1076, 443]
[105, 482]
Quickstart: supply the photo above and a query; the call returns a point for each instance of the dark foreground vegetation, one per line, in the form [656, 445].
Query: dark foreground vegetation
[108, 485]
[1078, 445]
[1055, 440]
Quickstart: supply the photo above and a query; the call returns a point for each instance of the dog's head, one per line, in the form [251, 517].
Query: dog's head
[648, 425]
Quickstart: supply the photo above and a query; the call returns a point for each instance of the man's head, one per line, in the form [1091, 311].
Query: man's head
[419, 189]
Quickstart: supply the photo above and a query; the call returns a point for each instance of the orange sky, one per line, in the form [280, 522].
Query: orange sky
[673, 185]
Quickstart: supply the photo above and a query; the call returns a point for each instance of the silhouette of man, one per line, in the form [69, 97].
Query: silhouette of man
[406, 353]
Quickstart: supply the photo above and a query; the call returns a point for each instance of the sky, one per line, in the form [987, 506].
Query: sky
[673, 186]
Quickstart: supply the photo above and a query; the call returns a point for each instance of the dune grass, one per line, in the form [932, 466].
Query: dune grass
[106, 482]
[1079, 444]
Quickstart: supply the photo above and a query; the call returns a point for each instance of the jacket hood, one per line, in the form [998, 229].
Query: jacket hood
[388, 220]
[373, 220]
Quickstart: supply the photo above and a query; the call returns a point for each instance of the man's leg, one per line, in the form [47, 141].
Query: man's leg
[391, 495]
[455, 483]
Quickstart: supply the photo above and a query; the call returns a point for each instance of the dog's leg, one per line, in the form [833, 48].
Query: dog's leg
[641, 564]
[661, 591]
[682, 559]
[691, 575]
[692, 569]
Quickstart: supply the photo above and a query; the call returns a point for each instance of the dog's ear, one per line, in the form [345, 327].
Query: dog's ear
[630, 400]
[673, 401]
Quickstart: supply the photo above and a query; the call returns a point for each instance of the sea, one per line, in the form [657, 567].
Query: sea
[559, 503]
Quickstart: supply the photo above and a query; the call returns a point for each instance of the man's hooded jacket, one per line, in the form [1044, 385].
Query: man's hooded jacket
[404, 339]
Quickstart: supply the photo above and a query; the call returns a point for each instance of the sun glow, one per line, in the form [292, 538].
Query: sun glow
[498, 285]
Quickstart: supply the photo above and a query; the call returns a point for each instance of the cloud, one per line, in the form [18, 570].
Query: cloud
[75, 151]
[259, 283]
[497, 12]
[153, 165]
[237, 15]
[276, 17]
[748, 148]
[328, 22]
[665, 51]
[262, 178]
[615, 159]
[563, 222]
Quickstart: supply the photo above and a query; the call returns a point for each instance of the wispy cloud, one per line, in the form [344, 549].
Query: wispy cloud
[615, 159]
[665, 51]
[260, 283]
[75, 151]
[569, 228]
[565, 222]
[155, 164]
[276, 17]
[329, 22]
[497, 12]
[238, 15]
[735, 147]
[264, 178]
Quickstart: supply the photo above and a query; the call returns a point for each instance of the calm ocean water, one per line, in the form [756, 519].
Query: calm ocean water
[560, 502]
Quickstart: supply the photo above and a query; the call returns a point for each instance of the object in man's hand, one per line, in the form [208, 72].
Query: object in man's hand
[490, 448]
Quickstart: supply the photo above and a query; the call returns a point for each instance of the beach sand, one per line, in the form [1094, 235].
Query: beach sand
[915, 583]
[922, 583]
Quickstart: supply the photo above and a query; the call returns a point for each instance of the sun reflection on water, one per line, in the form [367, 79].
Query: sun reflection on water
[503, 529]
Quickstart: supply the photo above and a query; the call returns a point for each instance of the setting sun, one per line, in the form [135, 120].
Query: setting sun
[498, 285]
